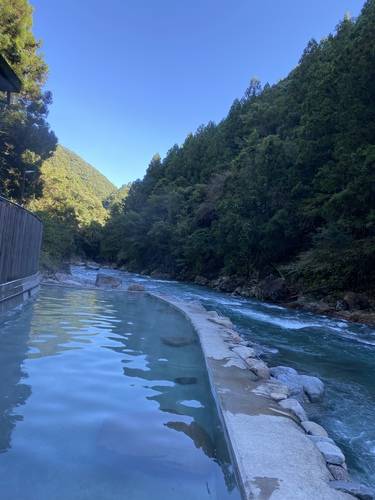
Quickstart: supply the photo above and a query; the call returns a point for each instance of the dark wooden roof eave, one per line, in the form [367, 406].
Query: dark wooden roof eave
[9, 81]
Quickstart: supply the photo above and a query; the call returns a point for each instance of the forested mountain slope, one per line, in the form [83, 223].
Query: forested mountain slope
[72, 204]
[118, 196]
[284, 185]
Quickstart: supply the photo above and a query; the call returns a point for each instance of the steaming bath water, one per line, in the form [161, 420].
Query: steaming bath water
[98, 403]
[340, 353]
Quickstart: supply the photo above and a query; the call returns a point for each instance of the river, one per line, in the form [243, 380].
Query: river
[342, 354]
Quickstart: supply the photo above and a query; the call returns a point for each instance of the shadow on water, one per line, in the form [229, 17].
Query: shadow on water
[175, 373]
[13, 389]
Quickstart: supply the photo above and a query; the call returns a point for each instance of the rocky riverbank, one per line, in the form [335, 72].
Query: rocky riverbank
[267, 426]
[350, 306]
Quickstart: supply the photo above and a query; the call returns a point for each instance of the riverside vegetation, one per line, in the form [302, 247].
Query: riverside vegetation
[74, 207]
[276, 201]
[284, 186]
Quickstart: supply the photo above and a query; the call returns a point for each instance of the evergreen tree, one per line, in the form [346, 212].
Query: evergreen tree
[25, 137]
[286, 183]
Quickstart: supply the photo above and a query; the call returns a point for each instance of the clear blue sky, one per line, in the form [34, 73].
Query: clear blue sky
[133, 77]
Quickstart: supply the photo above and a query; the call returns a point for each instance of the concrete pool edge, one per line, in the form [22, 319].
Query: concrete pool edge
[273, 456]
[16, 292]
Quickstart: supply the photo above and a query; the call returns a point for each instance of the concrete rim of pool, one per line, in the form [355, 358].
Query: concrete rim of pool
[273, 456]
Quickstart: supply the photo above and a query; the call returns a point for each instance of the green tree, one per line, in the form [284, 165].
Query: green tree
[285, 183]
[25, 137]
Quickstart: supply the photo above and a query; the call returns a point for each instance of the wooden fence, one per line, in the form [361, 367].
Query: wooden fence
[20, 242]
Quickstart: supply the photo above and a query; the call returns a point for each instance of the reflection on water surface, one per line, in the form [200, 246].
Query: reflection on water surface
[94, 405]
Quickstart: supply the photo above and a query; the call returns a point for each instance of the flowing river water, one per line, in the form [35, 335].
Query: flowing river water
[340, 353]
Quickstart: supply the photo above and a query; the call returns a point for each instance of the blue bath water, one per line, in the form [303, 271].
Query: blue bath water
[340, 353]
[96, 404]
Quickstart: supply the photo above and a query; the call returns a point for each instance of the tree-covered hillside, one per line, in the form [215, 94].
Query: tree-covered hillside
[118, 196]
[72, 205]
[285, 184]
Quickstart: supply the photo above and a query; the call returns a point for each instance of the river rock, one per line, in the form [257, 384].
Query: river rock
[246, 291]
[299, 385]
[244, 352]
[356, 489]
[136, 287]
[314, 429]
[277, 371]
[341, 305]
[290, 378]
[226, 283]
[107, 281]
[294, 407]
[60, 276]
[319, 439]
[313, 387]
[339, 473]
[177, 341]
[235, 339]
[258, 367]
[356, 300]
[68, 279]
[332, 453]
[201, 280]
[160, 276]
[220, 320]
[271, 288]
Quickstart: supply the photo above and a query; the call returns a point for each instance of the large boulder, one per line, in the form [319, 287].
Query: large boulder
[293, 406]
[290, 378]
[107, 281]
[320, 439]
[299, 385]
[338, 472]
[331, 453]
[313, 387]
[314, 429]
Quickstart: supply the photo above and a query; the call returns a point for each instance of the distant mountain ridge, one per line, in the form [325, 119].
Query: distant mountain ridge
[96, 181]
[74, 205]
